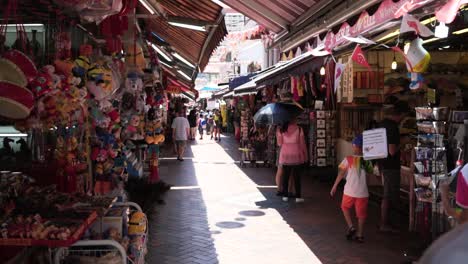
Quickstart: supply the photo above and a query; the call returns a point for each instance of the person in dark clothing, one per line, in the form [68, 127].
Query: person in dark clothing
[192, 118]
[390, 166]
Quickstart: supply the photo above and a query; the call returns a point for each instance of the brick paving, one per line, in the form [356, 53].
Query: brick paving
[220, 213]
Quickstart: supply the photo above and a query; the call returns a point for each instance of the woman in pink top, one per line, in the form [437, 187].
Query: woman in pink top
[293, 156]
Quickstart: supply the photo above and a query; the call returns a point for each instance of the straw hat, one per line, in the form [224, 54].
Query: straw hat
[26, 65]
[12, 73]
[16, 102]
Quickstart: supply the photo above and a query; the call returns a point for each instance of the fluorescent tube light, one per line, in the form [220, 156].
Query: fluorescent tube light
[184, 74]
[462, 31]
[162, 53]
[26, 25]
[13, 135]
[218, 2]
[430, 40]
[390, 35]
[148, 6]
[165, 64]
[182, 59]
[188, 26]
[429, 20]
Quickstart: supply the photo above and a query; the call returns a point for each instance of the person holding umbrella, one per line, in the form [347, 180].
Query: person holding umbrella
[290, 137]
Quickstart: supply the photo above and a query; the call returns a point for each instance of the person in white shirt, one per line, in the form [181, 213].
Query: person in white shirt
[180, 134]
[355, 193]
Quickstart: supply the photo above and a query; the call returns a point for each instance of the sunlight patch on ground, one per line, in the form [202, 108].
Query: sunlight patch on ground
[230, 195]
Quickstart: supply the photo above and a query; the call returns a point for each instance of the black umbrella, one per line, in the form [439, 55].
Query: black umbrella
[277, 113]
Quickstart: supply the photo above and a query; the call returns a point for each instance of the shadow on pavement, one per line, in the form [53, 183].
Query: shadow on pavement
[179, 230]
[319, 221]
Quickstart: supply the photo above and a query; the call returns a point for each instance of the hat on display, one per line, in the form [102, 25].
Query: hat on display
[16, 101]
[12, 73]
[26, 65]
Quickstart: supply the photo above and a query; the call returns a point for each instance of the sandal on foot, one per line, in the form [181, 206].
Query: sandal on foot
[350, 233]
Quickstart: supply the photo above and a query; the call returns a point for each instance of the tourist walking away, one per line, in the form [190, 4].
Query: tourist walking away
[180, 134]
[355, 194]
[292, 157]
[390, 166]
[192, 118]
[210, 125]
[218, 125]
[201, 125]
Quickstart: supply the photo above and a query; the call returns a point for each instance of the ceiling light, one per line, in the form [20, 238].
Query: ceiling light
[390, 35]
[184, 74]
[13, 135]
[148, 6]
[218, 2]
[158, 50]
[462, 31]
[429, 20]
[394, 63]
[165, 64]
[188, 26]
[26, 25]
[441, 31]
[182, 59]
[430, 40]
[322, 71]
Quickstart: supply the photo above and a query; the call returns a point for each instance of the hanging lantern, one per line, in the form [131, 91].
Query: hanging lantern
[322, 71]
[394, 63]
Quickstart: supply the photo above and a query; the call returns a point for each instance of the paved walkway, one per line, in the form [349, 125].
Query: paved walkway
[220, 213]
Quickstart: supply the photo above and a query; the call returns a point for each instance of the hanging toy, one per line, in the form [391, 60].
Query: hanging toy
[83, 63]
[134, 58]
[418, 59]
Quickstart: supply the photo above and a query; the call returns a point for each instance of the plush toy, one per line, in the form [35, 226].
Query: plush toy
[132, 131]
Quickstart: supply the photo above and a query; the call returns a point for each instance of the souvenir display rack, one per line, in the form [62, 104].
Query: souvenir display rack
[322, 138]
[430, 165]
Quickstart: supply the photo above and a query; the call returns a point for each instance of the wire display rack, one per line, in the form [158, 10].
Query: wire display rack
[102, 251]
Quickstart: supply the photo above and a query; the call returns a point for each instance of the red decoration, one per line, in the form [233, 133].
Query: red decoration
[388, 10]
[359, 57]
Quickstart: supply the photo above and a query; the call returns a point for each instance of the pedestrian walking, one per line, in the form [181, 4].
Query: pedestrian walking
[218, 125]
[180, 134]
[192, 118]
[201, 125]
[293, 156]
[355, 194]
[210, 125]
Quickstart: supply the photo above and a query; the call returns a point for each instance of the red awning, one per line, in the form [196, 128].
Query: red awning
[196, 46]
[275, 15]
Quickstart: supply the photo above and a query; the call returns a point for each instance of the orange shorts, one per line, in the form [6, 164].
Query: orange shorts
[359, 203]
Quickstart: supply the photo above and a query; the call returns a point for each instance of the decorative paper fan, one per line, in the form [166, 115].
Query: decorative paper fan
[23, 62]
[16, 102]
[12, 73]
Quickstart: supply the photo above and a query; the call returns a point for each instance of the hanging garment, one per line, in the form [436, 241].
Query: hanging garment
[300, 86]
[313, 88]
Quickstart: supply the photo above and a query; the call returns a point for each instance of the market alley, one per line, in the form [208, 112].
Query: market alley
[218, 212]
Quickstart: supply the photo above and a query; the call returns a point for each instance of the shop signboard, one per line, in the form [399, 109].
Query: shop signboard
[175, 89]
[374, 144]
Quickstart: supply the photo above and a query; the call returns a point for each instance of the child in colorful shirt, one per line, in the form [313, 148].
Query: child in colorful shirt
[355, 192]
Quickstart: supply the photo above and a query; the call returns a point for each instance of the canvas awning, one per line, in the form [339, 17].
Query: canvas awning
[275, 15]
[195, 46]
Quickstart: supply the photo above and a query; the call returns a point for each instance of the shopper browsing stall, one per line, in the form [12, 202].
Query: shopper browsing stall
[293, 156]
[390, 166]
[354, 169]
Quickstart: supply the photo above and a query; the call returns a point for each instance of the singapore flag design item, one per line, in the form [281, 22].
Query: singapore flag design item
[462, 188]
[359, 58]
[410, 23]
[339, 70]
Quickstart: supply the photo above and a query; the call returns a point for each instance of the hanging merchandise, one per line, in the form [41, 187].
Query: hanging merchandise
[447, 13]
[97, 11]
[417, 63]
[411, 24]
